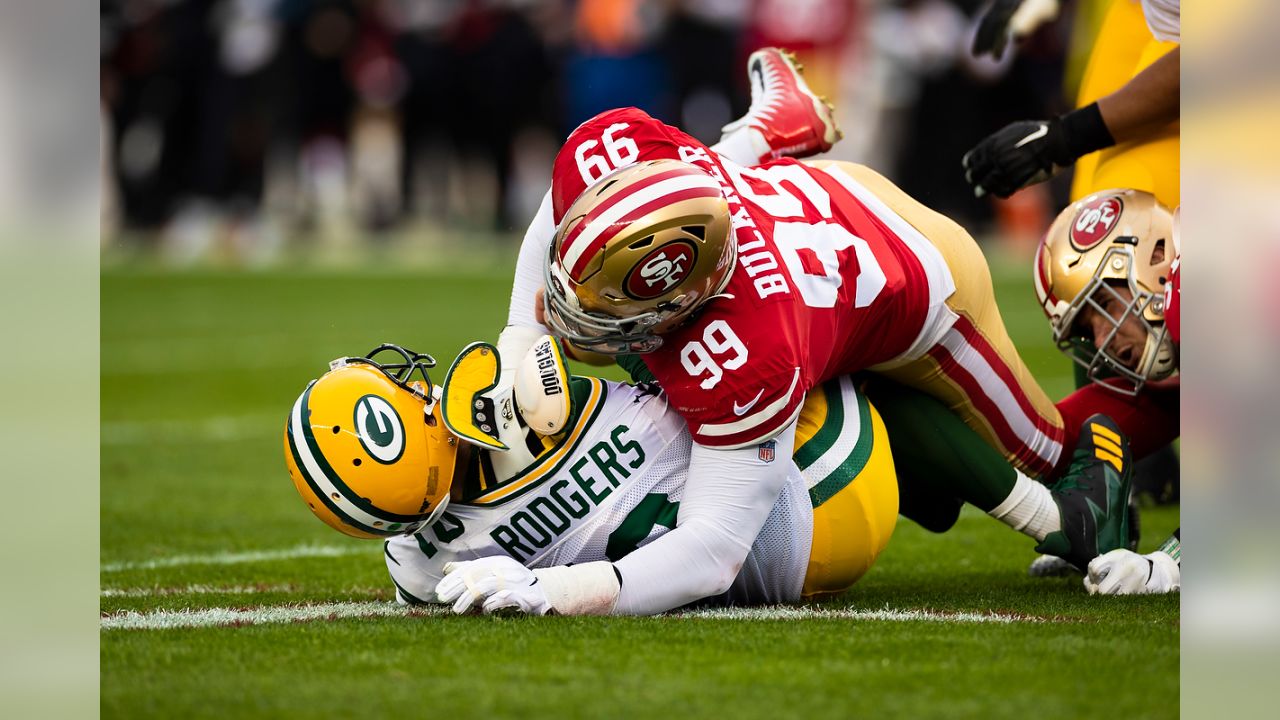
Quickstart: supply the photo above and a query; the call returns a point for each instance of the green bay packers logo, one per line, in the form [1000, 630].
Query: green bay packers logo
[379, 428]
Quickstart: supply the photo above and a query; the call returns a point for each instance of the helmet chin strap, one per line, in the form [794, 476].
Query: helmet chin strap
[1158, 361]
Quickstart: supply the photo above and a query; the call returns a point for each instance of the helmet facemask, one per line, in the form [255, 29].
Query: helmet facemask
[599, 332]
[636, 255]
[1102, 363]
[400, 373]
[366, 448]
[1112, 239]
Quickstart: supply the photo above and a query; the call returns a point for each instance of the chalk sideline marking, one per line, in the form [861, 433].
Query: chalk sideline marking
[801, 612]
[236, 617]
[196, 590]
[230, 558]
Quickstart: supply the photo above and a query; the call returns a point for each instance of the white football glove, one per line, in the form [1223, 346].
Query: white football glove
[498, 582]
[491, 584]
[1124, 572]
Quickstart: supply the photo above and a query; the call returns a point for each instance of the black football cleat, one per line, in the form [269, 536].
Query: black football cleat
[1093, 495]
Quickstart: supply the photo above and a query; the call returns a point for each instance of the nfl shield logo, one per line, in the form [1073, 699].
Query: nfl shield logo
[766, 450]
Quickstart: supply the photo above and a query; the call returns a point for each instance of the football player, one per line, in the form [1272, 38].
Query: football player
[1124, 132]
[376, 452]
[1107, 277]
[740, 288]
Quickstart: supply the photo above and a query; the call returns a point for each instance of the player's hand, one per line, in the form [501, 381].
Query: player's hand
[1019, 154]
[491, 584]
[1007, 20]
[993, 28]
[1124, 572]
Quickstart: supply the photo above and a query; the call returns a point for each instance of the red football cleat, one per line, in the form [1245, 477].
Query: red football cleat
[787, 118]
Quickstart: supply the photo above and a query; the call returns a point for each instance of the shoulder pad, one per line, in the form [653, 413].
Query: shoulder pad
[542, 387]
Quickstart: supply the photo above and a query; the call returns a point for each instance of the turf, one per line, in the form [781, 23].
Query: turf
[198, 372]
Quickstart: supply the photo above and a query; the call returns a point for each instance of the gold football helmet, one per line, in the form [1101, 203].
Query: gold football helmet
[1111, 239]
[636, 254]
[366, 447]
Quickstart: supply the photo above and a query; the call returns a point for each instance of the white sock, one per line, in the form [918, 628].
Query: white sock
[738, 146]
[1029, 509]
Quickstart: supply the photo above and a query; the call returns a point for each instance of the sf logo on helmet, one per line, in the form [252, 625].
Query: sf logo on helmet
[379, 428]
[1095, 221]
[661, 270]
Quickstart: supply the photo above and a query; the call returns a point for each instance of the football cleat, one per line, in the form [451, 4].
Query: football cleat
[366, 447]
[1093, 495]
[786, 118]
[1051, 566]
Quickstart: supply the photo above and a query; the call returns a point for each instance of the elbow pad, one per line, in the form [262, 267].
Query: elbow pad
[542, 387]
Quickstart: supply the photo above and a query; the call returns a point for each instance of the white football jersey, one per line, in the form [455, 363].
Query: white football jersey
[612, 484]
[1164, 19]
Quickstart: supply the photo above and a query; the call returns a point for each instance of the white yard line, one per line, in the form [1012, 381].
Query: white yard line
[234, 558]
[196, 590]
[887, 614]
[236, 617]
[210, 617]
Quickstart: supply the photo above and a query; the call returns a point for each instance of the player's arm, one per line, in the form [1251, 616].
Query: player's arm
[523, 324]
[1030, 151]
[1146, 103]
[1006, 20]
[727, 498]
[726, 501]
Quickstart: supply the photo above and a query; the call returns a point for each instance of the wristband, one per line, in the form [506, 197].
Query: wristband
[1083, 132]
[588, 589]
[1173, 548]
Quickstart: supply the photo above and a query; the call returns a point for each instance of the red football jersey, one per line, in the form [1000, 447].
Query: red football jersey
[823, 285]
[1173, 302]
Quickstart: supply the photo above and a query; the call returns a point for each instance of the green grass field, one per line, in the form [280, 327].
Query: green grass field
[198, 373]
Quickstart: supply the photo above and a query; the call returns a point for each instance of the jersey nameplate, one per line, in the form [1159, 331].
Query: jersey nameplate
[555, 510]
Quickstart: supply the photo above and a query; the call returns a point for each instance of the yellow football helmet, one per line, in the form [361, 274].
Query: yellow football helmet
[1114, 238]
[636, 254]
[367, 449]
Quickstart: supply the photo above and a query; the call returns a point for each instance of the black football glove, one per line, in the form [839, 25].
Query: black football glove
[1031, 151]
[993, 28]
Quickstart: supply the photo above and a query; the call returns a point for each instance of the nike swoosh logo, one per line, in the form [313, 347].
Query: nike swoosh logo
[742, 409]
[1039, 133]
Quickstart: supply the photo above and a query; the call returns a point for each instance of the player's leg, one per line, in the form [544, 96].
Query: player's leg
[942, 461]
[843, 452]
[974, 367]
[786, 118]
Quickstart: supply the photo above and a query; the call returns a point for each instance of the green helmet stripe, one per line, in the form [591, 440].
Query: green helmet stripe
[319, 493]
[332, 477]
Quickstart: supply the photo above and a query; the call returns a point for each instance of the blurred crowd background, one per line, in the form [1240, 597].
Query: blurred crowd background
[239, 130]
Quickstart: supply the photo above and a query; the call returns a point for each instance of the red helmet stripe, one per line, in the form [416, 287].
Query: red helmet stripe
[604, 206]
[604, 222]
[622, 224]
[1043, 276]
